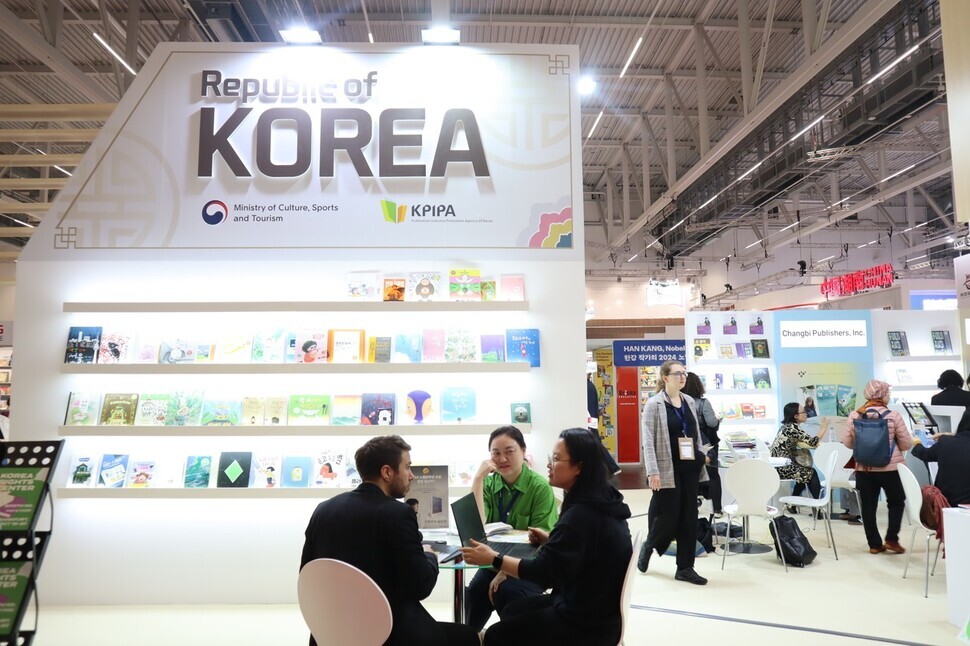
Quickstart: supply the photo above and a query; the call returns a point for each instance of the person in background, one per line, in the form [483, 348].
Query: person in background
[869, 481]
[810, 410]
[507, 491]
[371, 530]
[952, 453]
[674, 464]
[414, 504]
[708, 423]
[789, 437]
[593, 408]
[951, 392]
[583, 559]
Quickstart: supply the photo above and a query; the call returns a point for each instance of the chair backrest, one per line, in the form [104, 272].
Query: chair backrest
[828, 468]
[914, 495]
[822, 453]
[841, 477]
[627, 591]
[342, 605]
[752, 483]
[921, 470]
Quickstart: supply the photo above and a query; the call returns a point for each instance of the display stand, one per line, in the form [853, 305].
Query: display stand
[911, 348]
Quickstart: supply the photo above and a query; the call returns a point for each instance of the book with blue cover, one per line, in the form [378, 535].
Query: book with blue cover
[377, 409]
[114, 468]
[458, 404]
[522, 345]
[221, 412]
[297, 471]
[407, 348]
[198, 469]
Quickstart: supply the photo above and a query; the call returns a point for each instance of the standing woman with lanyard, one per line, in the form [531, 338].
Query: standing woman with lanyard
[675, 467]
[507, 491]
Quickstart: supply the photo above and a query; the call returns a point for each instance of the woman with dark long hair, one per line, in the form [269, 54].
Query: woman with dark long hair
[583, 559]
[708, 423]
[789, 437]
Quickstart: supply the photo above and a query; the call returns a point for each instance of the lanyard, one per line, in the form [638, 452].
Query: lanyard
[503, 510]
[679, 411]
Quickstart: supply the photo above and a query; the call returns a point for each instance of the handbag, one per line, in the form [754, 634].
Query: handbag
[802, 457]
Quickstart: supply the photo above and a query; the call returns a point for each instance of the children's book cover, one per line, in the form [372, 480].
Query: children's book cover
[743, 380]
[83, 344]
[743, 350]
[458, 404]
[521, 412]
[82, 472]
[347, 346]
[756, 326]
[825, 399]
[119, 409]
[759, 349]
[940, 338]
[140, 474]
[423, 286]
[730, 326]
[364, 286]
[221, 412]
[82, 409]
[114, 468]
[184, 408]
[761, 378]
[523, 345]
[308, 410]
[234, 469]
[704, 327]
[205, 352]
[153, 409]
[275, 411]
[465, 284]
[382, 349]
[511, 287]
[329, 468]
[407, 348]
[377, 409]
[297, 471]
[309, 346]
[176, 351]
[198, 470]
[461, 346]
[845, 400]
[493, 348]
[114, 347]
[269, 346]
[266, 471]
[145, 350]
[725, 351]
[420, 407]
[702, 348]
[394, 288]
[253, 411]
[433, 346]
[489, 290]
[345, 410]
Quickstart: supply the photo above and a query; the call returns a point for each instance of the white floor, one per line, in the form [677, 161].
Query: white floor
[860, 594]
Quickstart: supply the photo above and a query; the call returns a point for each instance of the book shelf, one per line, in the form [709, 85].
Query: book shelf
[904, 351]
[214, 493]
[281, 431]
[297, 306]
[291, 368]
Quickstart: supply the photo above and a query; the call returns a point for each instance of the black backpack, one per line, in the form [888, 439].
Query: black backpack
[798, 551]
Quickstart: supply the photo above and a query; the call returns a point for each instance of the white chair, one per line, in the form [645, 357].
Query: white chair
[828, 467]
[841, 476]
[752, 483]
[627, 590]
[342, 605]
[914, 502]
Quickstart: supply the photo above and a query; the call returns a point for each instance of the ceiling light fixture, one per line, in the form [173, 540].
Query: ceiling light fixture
[632, 54]
[828, 258]
[586, 85]
[889, 68]
[807, 128]
[440, 35]
[595, 123]
[300, 35]
[370, 34]
[111, 51]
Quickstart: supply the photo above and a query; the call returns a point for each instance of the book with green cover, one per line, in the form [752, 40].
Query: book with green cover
[308, 410]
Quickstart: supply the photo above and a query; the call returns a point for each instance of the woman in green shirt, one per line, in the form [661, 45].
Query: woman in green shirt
[507, 491]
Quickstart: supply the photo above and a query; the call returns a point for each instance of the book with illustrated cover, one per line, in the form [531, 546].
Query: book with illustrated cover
[394, 289]
[747, 410]
[83, 345]
[433, 346]
[234, 469]
[489, 290]
[461, 346]
[941, 342]
[113, 347]
[759, 411]
[511, 287]
[458, 404]
[423, 286]
[730, 410]
[347, 346]
[743, 350]
[205, 352]
[176, 351]
[761, 378]
[702, 348]
[118, 409]
[904, 377]
[82, 409]
[221, 412]
[493, 348]
[730, 326]
[253, 411]
[364, 286]
[345, 410]
[275, 411]
[743, 380]
[308, 410]
[407, 348]
[825, 400]
[649, 375]
[377, 409]
[428, 496]
[198, 470]
[759, 349]
[297, 471]
[269, 346]
[725, 351]
[704, 327]
[420, 407]
[153, 409]
[898, 344]
[381, 346]
[145, 350]
[184, 408]
[521, 412]
[308, 346]
[266, 470]
[523, 345]
[82, 472]
[845, 400]
[140, 474]
[114, 468]
[756, 326]
[461, 474]
[329, 468]
[465, 284]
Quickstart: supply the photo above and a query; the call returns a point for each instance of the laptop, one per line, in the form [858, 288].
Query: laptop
[469, 524]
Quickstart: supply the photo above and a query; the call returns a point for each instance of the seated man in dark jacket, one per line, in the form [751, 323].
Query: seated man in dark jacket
[953, 456]
[370, 530]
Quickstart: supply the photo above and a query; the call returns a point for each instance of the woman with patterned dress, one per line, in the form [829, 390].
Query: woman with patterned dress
[790, 435]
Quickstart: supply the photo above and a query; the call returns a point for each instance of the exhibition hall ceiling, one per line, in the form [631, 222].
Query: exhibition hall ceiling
[718, 131]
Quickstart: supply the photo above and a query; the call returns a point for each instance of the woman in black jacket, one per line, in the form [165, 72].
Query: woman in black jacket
[583, 559]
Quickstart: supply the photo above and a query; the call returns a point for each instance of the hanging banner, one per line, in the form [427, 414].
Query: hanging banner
[648, 353]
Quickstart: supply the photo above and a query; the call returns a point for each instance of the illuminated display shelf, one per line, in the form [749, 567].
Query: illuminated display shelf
[739, 392]
[288, 368]
[926, 357]
[215, 492]
[281, 431]
[297, 306]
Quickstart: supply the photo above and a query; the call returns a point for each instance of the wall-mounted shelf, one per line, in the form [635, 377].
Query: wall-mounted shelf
[289, 368]
[925, 357]
[214, 493]
[362, 432]
[741, 391]
[295, 306]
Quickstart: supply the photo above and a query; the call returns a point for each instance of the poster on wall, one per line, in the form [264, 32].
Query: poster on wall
[428, 496]
[603, 379]
[831, 390]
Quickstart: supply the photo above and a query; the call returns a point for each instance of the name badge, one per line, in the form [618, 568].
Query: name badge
[686, 445]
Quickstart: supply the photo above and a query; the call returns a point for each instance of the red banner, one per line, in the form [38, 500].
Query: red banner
[858, 281]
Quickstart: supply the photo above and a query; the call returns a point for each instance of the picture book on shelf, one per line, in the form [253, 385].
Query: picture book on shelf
[825, 399]
[297, 471]
[275, 411]
[153, 409]
[198, 469]
[730, 326]
[140, 474]
[521, 412]
[423, 286]
[898, 345]
[234, 349]
[761, 378]
[458, 404]
[461, 346]
[82, 409]
[759, 349]
[903, 377]
[184, 408]
[394, 288]
[234, 469]
[407, 348]
[308, 346]
[118, 409]
[523, 345]
[269, 346]
[433, 346]
[221, 412]
[377, 409]
[308, 410]
[702, 348]
[493, 348]
[511, 287]
[253, 411]
[176, 351]
[379, 349]
[743, 350]
[364, 286]
[205, 352]
[345, 410]
[649, 375]
[489, 290]
[82, 472]
[941, 342]
[465, 284]
[704, 327]
[328, 468]
[347, 346]
[113, 347]
[725, 351]
[420, 407]
[756, 326]
[742, 380]
[114, 468]
[145, 350]
[266, 470]
[83, 345]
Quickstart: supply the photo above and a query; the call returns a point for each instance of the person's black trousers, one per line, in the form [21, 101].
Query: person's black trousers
[814, 487]
[869, 484]
[478, 607]
[673, 515]
[534, 621]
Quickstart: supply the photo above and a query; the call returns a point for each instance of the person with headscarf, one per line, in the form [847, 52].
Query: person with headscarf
[870, 481]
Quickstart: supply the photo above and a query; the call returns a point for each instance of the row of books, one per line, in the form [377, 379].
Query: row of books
[899, 344]
[759, 378]
[755, 325]
[191, 408]
[426, 286]
[331, 468]
[753, 349]
[93, 344]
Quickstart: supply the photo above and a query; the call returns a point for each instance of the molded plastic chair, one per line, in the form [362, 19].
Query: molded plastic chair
[342, 605]
[914, 502]
[840, 476]
[818, 503]
[627, 590]
[752, 483]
